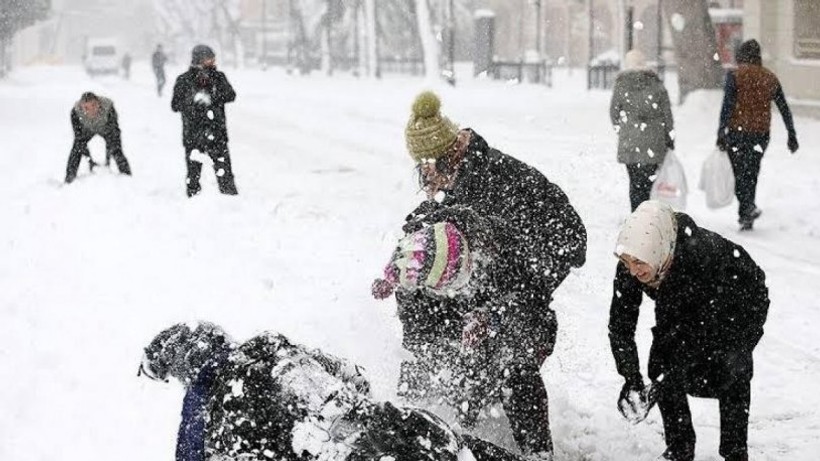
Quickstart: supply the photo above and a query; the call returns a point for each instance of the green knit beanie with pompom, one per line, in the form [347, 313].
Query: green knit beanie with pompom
[428, 133]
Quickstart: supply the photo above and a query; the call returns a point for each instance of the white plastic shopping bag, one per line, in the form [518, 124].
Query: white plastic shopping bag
[717, 179]
[670, 183]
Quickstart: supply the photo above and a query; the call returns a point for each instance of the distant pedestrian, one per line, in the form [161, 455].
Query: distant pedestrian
[745, 122]
[126, 66]
[642, 116]
[200, 95]
[95, 115]
[158, 60]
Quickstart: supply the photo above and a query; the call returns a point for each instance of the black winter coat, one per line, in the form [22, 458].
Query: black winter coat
[203, 123]
[710, 307]
[535, 234]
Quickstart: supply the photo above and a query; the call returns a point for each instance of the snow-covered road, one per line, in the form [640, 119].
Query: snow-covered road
[90, 272]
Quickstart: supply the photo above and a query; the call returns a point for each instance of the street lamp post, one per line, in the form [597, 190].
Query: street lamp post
[264, 34]
[659, 39]
[538, 41]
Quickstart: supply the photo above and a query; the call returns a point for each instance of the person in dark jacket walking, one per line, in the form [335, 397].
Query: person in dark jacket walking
[269, 398]
[200, 95]
[711, 303]
[745, 123]
[534, 236]
[642, 116]
[126, 66]
[158, 60]
[95, 115]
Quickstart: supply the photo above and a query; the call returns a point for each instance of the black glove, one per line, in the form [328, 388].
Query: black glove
[632, 384]
[670, 143]
[417, 218]
[721, 144]
[635, 401]
[793, 144]
[203, 79]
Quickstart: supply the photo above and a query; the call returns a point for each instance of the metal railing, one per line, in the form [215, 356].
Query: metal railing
[532, 72]
[602, 75]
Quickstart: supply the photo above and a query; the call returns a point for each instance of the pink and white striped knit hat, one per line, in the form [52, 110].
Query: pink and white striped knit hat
[436, 257]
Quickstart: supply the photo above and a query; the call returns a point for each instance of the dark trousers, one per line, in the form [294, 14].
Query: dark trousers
[221, 158]
[526, 404]
[677, 420]
[160, 74]
[745, 152]
[113, 149]
[640, 182]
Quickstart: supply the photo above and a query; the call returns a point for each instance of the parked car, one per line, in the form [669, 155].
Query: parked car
[102, 56]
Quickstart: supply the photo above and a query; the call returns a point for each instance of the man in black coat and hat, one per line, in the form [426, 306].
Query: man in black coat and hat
[531, 235]
[200, 95]
[711, 302]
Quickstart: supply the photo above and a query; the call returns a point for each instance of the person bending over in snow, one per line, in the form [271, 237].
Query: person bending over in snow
[95, 115]
[526, 227]
[271, 399]
[711, 303]
[200, 95]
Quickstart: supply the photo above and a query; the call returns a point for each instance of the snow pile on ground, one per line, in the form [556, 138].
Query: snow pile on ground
[91, 272]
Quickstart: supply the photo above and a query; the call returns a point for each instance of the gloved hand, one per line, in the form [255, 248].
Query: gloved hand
[476, 329]
[382, 288]
[670, 143]
[633, 402]
[792, 143]
[721, 144]
[416, 219]
[203, 79]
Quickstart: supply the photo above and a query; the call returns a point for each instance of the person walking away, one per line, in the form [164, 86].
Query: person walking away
[641, 114]
[126, 66]
[200, 95]
[158, 60]
[745, 124]
[95, 115]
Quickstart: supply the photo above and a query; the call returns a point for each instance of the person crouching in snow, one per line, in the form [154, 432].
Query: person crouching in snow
[200, 95]
[526, 226]
[95, 115]
[271, 399]
[711, 303]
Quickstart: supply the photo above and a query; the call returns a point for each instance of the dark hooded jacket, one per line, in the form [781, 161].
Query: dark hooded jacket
[709, 309]
[641, 111]
[271, 399]
[200, 96]
[533, 234]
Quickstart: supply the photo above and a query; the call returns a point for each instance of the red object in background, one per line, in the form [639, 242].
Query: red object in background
[728, 24]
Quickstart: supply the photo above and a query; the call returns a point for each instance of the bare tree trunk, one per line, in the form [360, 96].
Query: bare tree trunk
[695, 45]
[372, 38]
[2, 57]
[429, 44]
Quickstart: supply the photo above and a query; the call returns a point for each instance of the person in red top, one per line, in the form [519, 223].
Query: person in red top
[745, 122]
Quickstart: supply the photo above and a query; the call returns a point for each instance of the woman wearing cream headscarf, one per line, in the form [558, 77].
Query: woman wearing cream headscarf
[711, 302]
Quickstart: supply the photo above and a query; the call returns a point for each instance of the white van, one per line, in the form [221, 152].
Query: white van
[102, 56]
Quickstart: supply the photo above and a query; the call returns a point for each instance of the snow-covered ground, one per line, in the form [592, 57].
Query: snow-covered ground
[89, 273]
